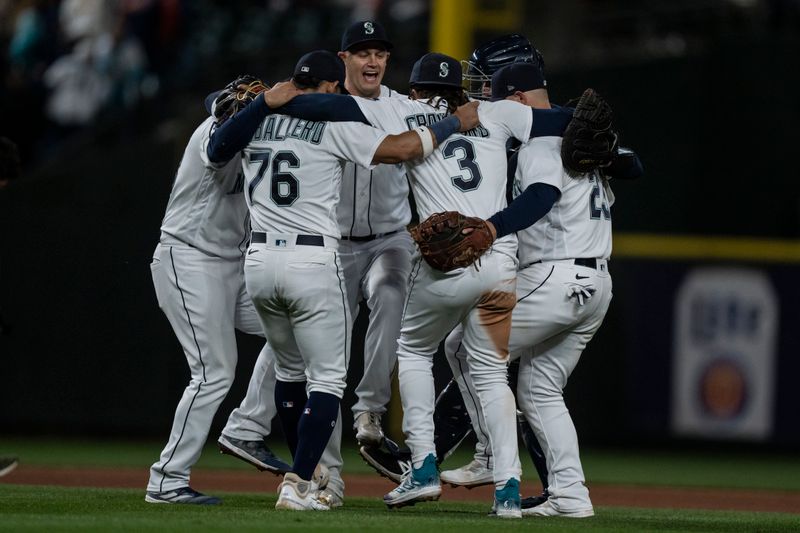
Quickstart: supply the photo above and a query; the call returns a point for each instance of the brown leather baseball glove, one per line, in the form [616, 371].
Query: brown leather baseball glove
[450, 240]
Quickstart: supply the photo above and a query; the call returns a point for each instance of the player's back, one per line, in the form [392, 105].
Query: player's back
[579, 223]
[293, 171]
[467, 173]
[206, 209]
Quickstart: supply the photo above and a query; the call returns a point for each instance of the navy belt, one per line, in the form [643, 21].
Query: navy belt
[303, 240]
[367, 238]
[590, 262]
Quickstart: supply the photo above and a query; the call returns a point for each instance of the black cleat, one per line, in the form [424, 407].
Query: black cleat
[254, 452]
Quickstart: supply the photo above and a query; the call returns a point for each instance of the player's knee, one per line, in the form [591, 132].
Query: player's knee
[389, 292]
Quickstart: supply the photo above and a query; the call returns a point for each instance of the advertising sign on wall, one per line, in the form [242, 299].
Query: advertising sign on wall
[724, 358]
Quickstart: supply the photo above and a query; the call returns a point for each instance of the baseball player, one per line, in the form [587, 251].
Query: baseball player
[293, 177]
[452, 422]
[375, 251]
[563, 289]
[197, 271]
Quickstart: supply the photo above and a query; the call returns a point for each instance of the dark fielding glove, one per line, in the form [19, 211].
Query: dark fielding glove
[450, 240]
[589, 142]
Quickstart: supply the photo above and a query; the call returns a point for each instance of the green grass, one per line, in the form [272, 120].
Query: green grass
[25, 508]
[690, 469]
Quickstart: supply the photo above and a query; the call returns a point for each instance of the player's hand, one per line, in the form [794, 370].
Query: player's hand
[467, 115]
[281, 93]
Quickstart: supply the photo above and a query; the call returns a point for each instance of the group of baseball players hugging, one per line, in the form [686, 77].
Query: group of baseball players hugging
[290, 207]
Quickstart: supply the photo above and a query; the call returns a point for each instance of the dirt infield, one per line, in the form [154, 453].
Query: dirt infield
[370, 486]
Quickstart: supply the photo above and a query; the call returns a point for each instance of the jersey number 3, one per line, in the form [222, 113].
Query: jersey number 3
[466, 161]
[284, 187]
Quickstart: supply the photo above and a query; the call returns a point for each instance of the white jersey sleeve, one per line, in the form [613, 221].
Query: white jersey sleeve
[353, 141]
[387, 114]
[513, 119]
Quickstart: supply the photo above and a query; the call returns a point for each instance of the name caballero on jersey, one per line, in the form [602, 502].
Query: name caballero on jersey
[279, 127]
[426, 119]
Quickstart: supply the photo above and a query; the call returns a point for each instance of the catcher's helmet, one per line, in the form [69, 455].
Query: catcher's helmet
[236, 95]
[491, 57]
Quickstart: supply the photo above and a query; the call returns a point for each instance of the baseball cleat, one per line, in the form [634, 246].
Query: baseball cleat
[7, 465]
[418, 485]
[532, 501]
[547, 509]
[474, 474]
[506, 501]
[254, 452]
[330, 498]
[181, 495]
[294, 494]
[368, 428]
[386, 464]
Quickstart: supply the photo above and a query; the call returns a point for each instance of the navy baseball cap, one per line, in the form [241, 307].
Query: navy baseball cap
[363, 33]
[517, 77]
[322, 65]
[436, 69]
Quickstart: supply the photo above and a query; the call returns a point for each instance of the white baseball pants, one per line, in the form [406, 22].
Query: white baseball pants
[204, 299]
[482, 302]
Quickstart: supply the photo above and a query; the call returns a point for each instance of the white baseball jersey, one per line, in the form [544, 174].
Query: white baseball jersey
[579, 224]
[285, 194]
[467, 173]
[207, 213]
[374, 200]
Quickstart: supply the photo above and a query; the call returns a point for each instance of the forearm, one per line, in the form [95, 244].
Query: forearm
[234, 134]
[415, 144]
[534, 203]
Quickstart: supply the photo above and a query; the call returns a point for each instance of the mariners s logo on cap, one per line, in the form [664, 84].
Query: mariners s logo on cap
[368, 28]
[444, 69]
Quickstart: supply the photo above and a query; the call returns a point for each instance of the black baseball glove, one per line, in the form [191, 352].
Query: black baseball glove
[589, 142]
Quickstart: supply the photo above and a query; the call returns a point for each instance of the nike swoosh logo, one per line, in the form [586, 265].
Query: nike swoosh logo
[251, 252]
[578, 276]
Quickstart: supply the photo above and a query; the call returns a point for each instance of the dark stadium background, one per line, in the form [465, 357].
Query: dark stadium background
[704, 91]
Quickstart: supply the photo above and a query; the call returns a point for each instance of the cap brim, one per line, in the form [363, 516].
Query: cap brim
[209, 102]
[386, 44]
[435, 84]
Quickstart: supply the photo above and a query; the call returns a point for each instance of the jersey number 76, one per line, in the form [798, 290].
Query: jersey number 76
[284, 187]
